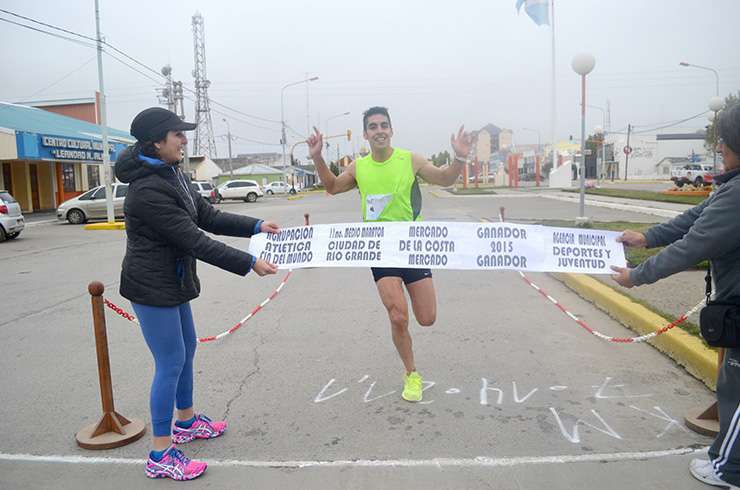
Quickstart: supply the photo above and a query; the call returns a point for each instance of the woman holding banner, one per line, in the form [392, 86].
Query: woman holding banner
[709, 231]
[164, 238]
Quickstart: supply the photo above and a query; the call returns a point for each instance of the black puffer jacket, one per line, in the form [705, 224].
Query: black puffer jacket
[164, 217]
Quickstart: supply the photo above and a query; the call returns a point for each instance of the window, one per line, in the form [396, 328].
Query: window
[68, 177]
[7, 198]
[99, 194]
[250, 184]
[93, 175]
[87, 196]
[206, 186]
[7, 176]
[121, 190]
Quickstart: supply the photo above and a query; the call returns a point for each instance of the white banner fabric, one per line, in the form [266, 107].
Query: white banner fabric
[442, 245]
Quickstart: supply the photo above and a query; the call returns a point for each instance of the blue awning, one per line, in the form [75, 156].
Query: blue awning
[44, 135]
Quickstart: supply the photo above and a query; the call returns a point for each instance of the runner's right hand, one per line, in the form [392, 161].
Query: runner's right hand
[263, 268]
[315, 143]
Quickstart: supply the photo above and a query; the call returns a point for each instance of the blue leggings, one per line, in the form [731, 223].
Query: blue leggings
[170, 334]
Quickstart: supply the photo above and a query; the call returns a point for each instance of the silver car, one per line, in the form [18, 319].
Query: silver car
[11, 219]
[92, 205]
[205, 189]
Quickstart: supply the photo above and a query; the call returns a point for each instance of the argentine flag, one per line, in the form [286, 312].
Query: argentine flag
[537, 10]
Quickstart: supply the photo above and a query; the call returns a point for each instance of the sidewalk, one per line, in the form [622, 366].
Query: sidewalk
[40, 217]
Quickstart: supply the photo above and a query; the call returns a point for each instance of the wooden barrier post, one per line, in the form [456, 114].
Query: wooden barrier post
[113, 429]
[707, 422]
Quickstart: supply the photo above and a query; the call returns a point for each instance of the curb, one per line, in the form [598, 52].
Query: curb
[655, 211]
[687, 350]
[118, 225]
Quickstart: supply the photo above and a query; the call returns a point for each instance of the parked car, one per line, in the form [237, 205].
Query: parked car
[204, 189]
[693, 173]
[244, 190]
[11, 218]
[92, 205]
[279, 187]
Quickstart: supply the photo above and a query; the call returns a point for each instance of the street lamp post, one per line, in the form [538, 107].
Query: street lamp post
[716, 74]
[327, 131]
[283, 140]
[583, 64]
[228, 135]
[715, 105]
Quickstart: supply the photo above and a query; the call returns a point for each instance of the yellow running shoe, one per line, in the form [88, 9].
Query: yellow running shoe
[412, 387]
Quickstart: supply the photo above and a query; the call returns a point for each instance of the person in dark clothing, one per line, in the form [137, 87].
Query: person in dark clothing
[164, 239]
[707, 231]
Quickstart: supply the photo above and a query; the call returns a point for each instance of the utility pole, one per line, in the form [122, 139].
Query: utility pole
[228, 135]
[178, 107]
[166, 94]
[628, 151]
[107, 168]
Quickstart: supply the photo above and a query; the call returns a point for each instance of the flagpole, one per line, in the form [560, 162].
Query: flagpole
[553, 91]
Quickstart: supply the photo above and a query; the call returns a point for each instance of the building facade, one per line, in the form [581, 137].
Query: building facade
[47, 158]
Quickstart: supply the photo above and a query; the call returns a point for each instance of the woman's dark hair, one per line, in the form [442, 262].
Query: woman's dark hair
[148, 149]
[728, 127]
[372, 112]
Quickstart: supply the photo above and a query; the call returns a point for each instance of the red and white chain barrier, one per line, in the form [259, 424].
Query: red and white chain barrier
[621, 340]
[202, 340]
[128, 316]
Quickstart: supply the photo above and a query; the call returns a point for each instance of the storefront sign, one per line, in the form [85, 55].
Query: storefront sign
[74, 149]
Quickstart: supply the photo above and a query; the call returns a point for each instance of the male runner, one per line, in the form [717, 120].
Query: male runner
[389, 190]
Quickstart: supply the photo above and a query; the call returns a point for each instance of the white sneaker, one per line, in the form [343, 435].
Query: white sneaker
[703, 471]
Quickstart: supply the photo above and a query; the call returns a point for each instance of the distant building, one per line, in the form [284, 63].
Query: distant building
[241, 160]
[653, 153]
[203, 168]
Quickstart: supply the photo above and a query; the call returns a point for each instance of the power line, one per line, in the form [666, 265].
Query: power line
[48, 25]
[255, 141]
[668, 125]
[49, 33]
[60, 80]
[159, 82]
[122, 53]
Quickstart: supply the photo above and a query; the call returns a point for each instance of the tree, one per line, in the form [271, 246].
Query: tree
[709, 139]
[441, 158]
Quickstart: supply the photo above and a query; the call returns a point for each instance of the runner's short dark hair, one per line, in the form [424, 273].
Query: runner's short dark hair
[373, 111]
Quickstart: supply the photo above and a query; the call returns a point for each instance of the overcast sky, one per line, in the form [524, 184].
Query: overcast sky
[434, 64]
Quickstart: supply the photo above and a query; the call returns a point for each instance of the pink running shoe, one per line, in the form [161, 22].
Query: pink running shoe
[202, 428]
[175, 465]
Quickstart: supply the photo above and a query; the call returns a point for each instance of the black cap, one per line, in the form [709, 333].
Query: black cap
[153, 123]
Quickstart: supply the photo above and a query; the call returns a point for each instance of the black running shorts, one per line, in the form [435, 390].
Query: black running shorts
[407, 275]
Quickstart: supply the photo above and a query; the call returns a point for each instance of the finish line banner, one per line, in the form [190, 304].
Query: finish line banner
[440, 245]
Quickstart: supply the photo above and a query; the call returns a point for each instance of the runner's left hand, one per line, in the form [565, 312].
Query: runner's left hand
[462, 143]
[622, 276]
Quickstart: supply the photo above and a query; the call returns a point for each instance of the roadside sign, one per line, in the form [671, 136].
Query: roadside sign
[627, 150]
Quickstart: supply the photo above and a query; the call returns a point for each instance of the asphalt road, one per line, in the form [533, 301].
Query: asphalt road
[518, 395]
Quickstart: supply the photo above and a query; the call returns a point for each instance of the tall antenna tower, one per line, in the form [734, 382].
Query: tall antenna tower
[205, 143]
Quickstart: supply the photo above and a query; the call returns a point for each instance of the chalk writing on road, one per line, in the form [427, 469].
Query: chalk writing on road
[491, 393]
